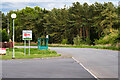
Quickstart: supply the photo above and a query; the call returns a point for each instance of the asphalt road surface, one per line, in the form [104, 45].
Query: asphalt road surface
[44, 68]
[100, 63]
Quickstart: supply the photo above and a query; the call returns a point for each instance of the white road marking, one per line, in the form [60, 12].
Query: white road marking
[86, 69]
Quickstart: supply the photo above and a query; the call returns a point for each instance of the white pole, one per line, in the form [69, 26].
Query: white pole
[29, 47]
[8, 29]
[13, 42]
[13, 16]
[24, 47]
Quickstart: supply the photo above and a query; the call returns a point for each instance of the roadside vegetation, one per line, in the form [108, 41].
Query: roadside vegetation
[109, 47]
[87, 46]
[35, 53]
[79, 25]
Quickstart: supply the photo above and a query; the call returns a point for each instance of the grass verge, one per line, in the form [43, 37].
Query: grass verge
[27, 44]
[83, 46]
[35, 53]
[75, 46]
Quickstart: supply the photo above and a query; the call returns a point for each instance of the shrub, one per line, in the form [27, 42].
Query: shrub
[4, 36]
[111, 38]
[64, 41]
[88, 41]
[78, 40]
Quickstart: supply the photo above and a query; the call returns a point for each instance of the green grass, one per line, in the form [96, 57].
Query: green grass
[84, 46]
[75, 46]
[22, 44]
[35, 53]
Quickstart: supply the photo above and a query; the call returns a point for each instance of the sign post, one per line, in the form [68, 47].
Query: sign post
[29, 47]
[24, 47]
[27, 35]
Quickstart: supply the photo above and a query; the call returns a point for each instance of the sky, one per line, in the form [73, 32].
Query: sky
[7, 5]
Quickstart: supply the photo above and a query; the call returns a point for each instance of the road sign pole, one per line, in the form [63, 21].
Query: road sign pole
[29, 47]
[27, 36]
[24, 47]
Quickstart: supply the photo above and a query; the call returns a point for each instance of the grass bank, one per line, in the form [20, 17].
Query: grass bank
[35, 53]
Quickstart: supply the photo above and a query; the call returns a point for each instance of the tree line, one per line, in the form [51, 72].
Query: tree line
[79, 24]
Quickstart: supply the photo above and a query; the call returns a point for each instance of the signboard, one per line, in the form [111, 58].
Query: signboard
[27, 35]
[2, 51]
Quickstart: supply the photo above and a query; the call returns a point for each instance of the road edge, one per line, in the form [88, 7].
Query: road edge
[86, 69]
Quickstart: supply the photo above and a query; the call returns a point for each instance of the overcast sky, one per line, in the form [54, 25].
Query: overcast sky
[7, 5]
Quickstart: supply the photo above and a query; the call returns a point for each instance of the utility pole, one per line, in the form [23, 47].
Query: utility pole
[8, 29]
[13, 16]
[8, 36]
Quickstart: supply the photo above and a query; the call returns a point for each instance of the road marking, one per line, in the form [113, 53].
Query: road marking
[86, 69]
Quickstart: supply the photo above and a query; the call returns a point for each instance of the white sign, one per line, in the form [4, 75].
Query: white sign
[2, 51]
[27, 35]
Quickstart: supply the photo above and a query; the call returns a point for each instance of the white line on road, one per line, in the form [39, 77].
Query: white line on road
[86, 69]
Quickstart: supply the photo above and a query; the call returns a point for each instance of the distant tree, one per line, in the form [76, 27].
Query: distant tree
[4, 21]
[89, 22]
[109, 18]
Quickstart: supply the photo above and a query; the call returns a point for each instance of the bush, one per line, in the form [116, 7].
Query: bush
[112, 38]
[64, 41]
[78, 40]
[4, 36]
[88, 41]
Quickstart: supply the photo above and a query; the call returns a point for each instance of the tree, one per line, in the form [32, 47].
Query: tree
[109, 18]
[89, 22]
[4, 21]
[4, 36]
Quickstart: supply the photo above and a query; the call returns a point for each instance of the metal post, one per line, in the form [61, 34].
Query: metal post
[8, 29]
[13, 42]
[24, 47]
[29, 47]
[8, 37]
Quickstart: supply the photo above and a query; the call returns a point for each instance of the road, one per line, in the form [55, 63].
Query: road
[100, 63]
[44, 68]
